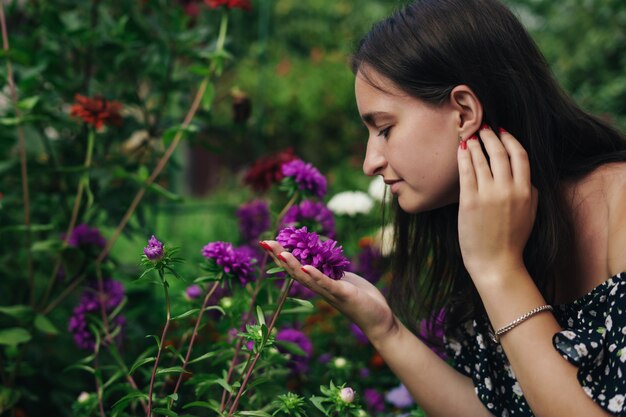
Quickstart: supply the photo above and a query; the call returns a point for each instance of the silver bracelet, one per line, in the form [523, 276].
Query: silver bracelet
[496, 336]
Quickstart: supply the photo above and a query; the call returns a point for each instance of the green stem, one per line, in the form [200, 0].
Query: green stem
[194, 334]
[161, 342]
[82, 183]
[244, 383]
[131, 381]
[22, 154]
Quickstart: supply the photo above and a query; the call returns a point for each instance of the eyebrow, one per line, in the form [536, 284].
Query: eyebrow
[370, 118]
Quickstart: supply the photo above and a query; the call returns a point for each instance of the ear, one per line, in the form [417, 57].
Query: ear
[469, 110]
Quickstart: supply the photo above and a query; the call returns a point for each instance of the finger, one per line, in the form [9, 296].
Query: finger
[273, 248]
[498, 155]
[467, 176]
[310, 277]
[479, 162]
[520, 165]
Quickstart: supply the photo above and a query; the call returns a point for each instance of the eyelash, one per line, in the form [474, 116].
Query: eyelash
[385, 132]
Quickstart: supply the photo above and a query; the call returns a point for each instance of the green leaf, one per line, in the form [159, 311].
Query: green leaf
[203, 404]
[202, 357]
[8, 398]
[81, 367]
[123, 402]
[317, 402]
[50, 245]
[27, 104]
[139, 363]
[275, 270]
[24, 228]
[20, 311]
[44, 325]
[171, 370]
[186, 314]
[291, 347]
[258, 413]
[14, 336]
[171, 133]
[208, 96]
[260, 316]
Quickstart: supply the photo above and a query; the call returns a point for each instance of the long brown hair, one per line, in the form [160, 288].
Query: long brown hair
[429, 47]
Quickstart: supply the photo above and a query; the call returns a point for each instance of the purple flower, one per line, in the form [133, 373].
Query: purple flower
[90, 301]
[432, 333]
[307, 248]
[85, 236]
[315, 215]
[399, 397]
[369, 262]
[193, 291]
[306, 177]
[358, 334]
[233, 261]
[254, 219]
[154, 250]
[374, 400]
[298, 363]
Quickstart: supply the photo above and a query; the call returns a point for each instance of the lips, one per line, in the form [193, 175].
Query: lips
[394, 185]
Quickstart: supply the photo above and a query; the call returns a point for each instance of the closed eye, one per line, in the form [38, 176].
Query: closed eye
[385, 132]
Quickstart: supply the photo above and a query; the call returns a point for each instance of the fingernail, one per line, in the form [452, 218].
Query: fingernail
[265, 246]
[282, 258]
[463, 145]
[303, 269]
[501, 130]
[474, 137]
[484, 126]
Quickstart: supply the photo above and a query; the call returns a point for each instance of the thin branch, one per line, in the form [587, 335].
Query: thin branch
[22, 153]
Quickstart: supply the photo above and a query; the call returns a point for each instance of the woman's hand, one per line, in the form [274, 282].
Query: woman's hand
[352, 295]
[497, 205]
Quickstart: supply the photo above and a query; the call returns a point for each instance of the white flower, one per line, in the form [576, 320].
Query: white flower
[351, 203]
[384, 239]
[581, 349]
[83, 397]
[378, 189]
[340, 362]
[488, 383]
[616, 404]
[569, 334]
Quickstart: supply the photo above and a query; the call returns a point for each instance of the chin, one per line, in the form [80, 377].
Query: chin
[415, 205]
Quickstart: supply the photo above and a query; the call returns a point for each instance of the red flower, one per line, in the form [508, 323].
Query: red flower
[268, 170]
[231, 4]
[97, 111]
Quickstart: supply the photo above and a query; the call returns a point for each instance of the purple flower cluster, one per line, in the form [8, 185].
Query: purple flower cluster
[369, 263]
[254, 219]
[85, 236]
[374, 401]
[298, 363]
[306, 177]
[432, 333]
[154, 250]
[234, 261]
[90, 302]
[314, 215]
[400, 397]
[310, 250]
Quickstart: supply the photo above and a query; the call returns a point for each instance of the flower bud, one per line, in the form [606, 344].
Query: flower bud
[154, 250]
[347, 395]
[340, 362]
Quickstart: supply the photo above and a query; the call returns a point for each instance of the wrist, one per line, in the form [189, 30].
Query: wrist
[383, 338]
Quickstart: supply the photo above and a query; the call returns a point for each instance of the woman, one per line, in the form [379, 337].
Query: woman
[520, 236]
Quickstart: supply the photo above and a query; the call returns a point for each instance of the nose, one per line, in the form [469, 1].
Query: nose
[375, 160]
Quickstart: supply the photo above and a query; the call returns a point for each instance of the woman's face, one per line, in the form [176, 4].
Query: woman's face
[411, 144]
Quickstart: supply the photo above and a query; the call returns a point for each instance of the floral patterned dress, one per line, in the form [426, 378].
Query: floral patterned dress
[593, 339]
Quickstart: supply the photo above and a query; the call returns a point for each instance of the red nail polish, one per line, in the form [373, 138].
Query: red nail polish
[501, 130]
[282, 258]
[463, 145]
[474, 137]
[303, 269]
[265, 246]
[485, 126]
